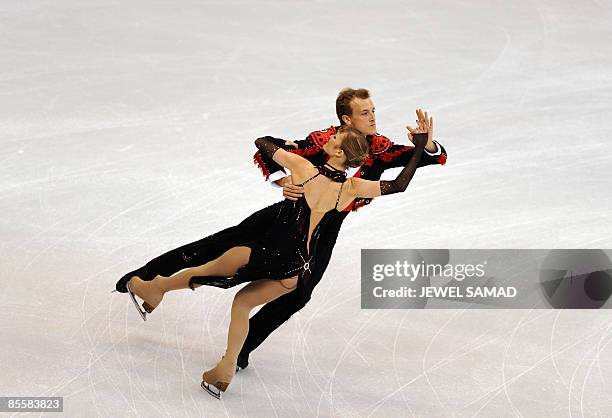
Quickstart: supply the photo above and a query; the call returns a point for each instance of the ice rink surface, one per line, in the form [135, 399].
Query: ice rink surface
[127, 129]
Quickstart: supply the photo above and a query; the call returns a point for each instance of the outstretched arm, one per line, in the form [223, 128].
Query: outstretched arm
[368, 189]
[399, 155]
[309, 148]
[405, 176]
[271, 147]
[265, 163]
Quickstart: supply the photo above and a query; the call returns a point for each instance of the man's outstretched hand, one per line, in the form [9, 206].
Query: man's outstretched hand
[290, 190]
[424, 125]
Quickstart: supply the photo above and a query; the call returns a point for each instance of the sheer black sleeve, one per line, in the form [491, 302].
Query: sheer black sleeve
[403, 179]
[269, 145]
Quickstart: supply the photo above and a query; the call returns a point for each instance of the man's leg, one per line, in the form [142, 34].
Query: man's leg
[271, 316]
[205, 249]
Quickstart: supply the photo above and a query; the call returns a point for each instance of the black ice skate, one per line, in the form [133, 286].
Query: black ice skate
[243, 363]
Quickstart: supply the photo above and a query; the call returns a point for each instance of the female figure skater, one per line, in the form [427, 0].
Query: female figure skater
[282, 259]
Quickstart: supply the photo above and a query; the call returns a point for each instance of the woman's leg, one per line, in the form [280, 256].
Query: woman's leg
[224, 266]
[254, 294]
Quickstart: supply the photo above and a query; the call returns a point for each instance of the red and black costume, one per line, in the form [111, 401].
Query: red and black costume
[384, 154]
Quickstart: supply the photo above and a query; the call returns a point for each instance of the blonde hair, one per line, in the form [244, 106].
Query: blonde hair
[354, 144]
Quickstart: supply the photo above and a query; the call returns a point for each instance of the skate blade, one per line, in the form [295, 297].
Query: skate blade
[133, 297]
[210, 389]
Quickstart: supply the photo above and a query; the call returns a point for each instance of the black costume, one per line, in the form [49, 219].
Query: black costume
[284, 250]
[383, 155]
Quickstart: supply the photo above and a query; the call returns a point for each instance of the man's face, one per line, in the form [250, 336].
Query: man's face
[363, 117]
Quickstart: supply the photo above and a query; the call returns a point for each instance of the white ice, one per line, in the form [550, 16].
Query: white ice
[127, 129]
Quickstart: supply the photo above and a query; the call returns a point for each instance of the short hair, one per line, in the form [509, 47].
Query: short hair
[344, 99]
[354, 144]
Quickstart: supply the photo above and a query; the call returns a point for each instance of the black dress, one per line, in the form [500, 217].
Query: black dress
[284, 251]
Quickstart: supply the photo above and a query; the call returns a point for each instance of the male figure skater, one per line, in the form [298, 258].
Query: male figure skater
[353, 107]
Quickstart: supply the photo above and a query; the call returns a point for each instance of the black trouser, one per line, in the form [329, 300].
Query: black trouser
[211, 247]
[271, 315]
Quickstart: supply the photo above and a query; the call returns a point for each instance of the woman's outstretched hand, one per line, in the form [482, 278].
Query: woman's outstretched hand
[419, 140]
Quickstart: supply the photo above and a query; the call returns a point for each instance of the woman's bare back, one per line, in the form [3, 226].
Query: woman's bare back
[323, 195]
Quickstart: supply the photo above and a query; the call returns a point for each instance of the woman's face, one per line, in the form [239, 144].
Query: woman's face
[332, 146]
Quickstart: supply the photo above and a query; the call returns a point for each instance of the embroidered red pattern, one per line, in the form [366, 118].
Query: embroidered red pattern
[379, 143]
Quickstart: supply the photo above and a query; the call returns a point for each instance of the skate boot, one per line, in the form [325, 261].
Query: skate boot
[215, 381]
[149, 292]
